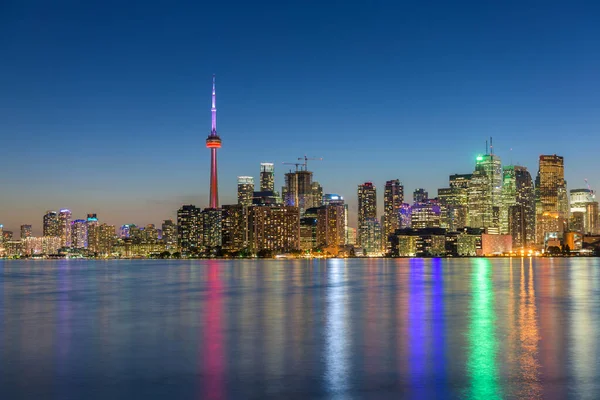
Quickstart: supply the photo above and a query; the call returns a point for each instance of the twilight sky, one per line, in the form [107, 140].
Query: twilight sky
[105, 106]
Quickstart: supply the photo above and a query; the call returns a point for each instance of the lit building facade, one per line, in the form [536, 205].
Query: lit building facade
[367, 210]
[245, 190]
[551, 198]
[331, 227]
[211, 229]
[51, 225]
[584, 211]
[485, 193]
[189, 229]
[64, 226]
[267, 177]
[79, 234]
[299, 190]
[517, 211]
[371, 240]
[25, 231]
[393, 198]
[234, 227]
[274, 228]
[169, 234]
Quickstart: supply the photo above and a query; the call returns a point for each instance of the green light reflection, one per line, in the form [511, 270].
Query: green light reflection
[481, 364]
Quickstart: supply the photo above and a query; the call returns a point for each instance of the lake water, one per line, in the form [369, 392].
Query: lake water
[339, 329]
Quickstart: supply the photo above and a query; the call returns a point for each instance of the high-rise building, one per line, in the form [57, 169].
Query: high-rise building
[308, 229]
[331, 227]
[584, 214]
[189, 229]
[213, 142]
[425, 214]
[453, 202]
[371, 241]
[106, 234]
[64, 226]
[267, 177]
[274, 228]
[93, 233]
[245, 190]
[551, 198]
[25, 231]
[211, 229]
[517, 211]
[234, 227]
[51, 225]
[298, 190]
[485, 193]
[420, 196]
[317, 194]
[79, 234]
[169, 234]
[405, 216]
[367, 209]
[393, 198]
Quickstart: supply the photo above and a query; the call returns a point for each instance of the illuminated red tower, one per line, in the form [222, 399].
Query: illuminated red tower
[213, 142]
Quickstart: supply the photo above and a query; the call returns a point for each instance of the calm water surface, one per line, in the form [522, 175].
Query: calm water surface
[339, 329]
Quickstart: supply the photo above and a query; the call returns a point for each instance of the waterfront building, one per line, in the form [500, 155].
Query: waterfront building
[93, 233]
[169, 234]
[64, 227]
[393, 198]
[106, 239]
[517, 211]
[25, 231]
[317, 194]
[274, 228]
[367, 210]
[234, 227]
[79, 234]
[211, 229]
[51, 224]
[308, 229]
[484, 194]
[299, 190]
[371, 240]
[331, 232]
[551, 198]
[584, 211]
[189, 229]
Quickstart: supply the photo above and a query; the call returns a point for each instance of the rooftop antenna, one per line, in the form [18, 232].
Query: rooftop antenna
[491, 147]
[486, 147]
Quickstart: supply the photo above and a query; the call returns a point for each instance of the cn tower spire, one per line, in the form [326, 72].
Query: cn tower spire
[213, 142]
[213, 110]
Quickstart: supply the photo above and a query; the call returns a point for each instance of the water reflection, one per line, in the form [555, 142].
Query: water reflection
[481, 364]
[336, 331]
[529, 337]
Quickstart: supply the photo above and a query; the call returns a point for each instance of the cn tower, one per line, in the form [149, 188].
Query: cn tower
[213, 142]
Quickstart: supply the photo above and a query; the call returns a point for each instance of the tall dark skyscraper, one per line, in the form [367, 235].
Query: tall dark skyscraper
[299, 190]
[213, 142]
[245, 190]
[25, 231]
[51, 224]
[393, 197]
[517, 212]
[367, 210]
[189, 229]
[267, 177]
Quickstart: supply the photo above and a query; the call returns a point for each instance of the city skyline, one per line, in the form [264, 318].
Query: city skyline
[120, 131]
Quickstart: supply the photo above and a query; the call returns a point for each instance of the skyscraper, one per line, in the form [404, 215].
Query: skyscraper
[189, 229]
[317, 194]
[245, 190]
[393, 197]
[584, 214]
[79, 234]
[51, 226]
[298, 190]
[234, 227]
[213, 142]
[485, 193]
[331, 229]
[267, 177]
[517, 211]
[551, 198]
[454, 201]
[64, 226]
[367, 210]
[169, 234]
[420, 196]
[273, 228]
[25, 231]
[93, 233]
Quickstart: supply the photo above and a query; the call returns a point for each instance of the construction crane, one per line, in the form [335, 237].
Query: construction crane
[296, 164]
[305, 158]
[592, 195]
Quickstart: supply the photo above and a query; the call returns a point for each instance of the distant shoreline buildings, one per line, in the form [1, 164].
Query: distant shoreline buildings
[493, 210]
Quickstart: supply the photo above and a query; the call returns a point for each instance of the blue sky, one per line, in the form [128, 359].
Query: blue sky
[105, 106]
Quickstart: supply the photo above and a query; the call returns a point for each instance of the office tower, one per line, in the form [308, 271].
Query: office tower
[317, 194]
[106, 235]
[393, 197]
[25, 231]
[150, 234]
[189, 229]
[79, 234]
[234, 227]
[298, 190]
[517, 211]
[453, 202]
[371, 241]
[336, 199]
[350, 235]
[125, 231]
[211, 229]
[267, 177]
[64, 227]
[245, 190]
[93, 233]
[308, 230]
[405, 215]
[425, 214]
[273, 228]
[169, 234]
[551, 200]
[584, 214]
[213, 142]
[331, 227]
[367, 209]
[420, 196]
[51, 224]
[485, 193]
